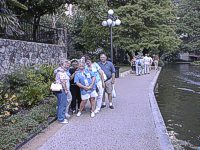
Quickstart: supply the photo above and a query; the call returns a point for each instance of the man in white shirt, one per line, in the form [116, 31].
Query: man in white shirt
[146, 64]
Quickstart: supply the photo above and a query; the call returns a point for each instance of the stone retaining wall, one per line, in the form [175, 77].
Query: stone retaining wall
[14, 53]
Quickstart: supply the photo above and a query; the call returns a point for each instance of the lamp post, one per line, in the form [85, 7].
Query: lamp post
[111, 22]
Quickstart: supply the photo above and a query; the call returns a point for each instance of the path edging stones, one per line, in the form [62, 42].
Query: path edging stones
[160, 127]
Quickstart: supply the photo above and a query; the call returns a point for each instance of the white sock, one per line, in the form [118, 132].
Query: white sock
[110, 103]
[104, 103]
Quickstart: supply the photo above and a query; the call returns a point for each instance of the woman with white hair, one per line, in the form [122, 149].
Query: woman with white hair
[64, 95]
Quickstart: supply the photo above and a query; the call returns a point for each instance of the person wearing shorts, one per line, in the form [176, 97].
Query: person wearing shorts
[85, 79]
[109, 70]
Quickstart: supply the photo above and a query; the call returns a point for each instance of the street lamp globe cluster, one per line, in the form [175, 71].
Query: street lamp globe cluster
[111, 22]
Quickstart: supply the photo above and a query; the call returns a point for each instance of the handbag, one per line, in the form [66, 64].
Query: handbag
[56, 87]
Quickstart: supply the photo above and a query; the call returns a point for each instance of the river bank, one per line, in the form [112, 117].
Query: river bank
[178, 99]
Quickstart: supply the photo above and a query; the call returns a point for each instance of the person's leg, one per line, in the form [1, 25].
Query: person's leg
[137, 70]
[69, 99]
[100, 96]
[109, 91]
[62, 106]
[78, 96]
[104, 95]
[74, 97]
[148, 68]
[145, 68]
[83, 103]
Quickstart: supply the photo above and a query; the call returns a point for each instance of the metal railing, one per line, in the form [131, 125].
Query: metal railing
[34, 33]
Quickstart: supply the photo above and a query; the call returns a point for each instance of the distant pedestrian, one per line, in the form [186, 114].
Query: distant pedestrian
[150, 62]
[86, 81]
[156, 60]
[99, 74]
[133, 64]
[138, 64]
[109, 70]
[75, 90]
[146, 64]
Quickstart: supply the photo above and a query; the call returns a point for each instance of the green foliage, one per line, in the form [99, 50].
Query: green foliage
[8, 20]
[25, 88]
[87, 32]
[147, 24]
[189, 23]
[19, 127]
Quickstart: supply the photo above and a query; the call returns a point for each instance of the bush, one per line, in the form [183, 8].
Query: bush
[19, 127]
[24, 88]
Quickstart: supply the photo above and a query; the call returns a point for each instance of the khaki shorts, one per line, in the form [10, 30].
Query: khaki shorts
[108, 86]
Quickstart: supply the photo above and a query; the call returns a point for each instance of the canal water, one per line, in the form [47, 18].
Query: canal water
[178, 97]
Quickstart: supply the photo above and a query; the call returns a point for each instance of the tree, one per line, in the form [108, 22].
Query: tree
[37, 9]
[85, 27]
[146, 24]
[8, 20]
[189, 25]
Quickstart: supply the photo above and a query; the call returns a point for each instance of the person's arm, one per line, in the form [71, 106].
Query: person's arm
[101, 74]
[93, 81]
[64, 85]
[76, 81]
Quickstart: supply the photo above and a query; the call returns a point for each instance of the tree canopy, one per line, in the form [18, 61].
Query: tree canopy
[189, 25]
[147, 24]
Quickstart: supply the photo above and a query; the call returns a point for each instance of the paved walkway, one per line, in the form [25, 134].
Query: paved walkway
[129, 126]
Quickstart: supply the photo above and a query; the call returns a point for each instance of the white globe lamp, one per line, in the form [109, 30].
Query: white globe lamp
[110, 12]
[104, 23]
[118, 22]
[109, 22]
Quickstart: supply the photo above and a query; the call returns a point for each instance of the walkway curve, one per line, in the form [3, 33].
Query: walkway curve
[130, 126]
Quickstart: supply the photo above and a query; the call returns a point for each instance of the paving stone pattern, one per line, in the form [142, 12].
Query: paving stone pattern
[129, 126]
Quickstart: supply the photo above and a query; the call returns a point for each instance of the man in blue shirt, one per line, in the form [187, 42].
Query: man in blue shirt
[109, 71]
[85, 79]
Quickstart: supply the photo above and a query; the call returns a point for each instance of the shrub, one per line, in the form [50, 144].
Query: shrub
[24, 88]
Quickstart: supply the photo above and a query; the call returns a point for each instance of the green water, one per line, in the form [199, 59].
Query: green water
[179, 101]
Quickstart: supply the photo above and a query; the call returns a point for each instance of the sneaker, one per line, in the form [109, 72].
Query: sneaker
[78, 114]
[65, 121]
[103, 106]
[96, 111]
[111, 107]
[73, 111]
[92, 114]
[67, 115]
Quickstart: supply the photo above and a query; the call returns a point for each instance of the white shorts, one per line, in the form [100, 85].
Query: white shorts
[88, 96]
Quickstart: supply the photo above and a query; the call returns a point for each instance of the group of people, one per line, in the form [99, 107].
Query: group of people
[143, 64]
[84, 80]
